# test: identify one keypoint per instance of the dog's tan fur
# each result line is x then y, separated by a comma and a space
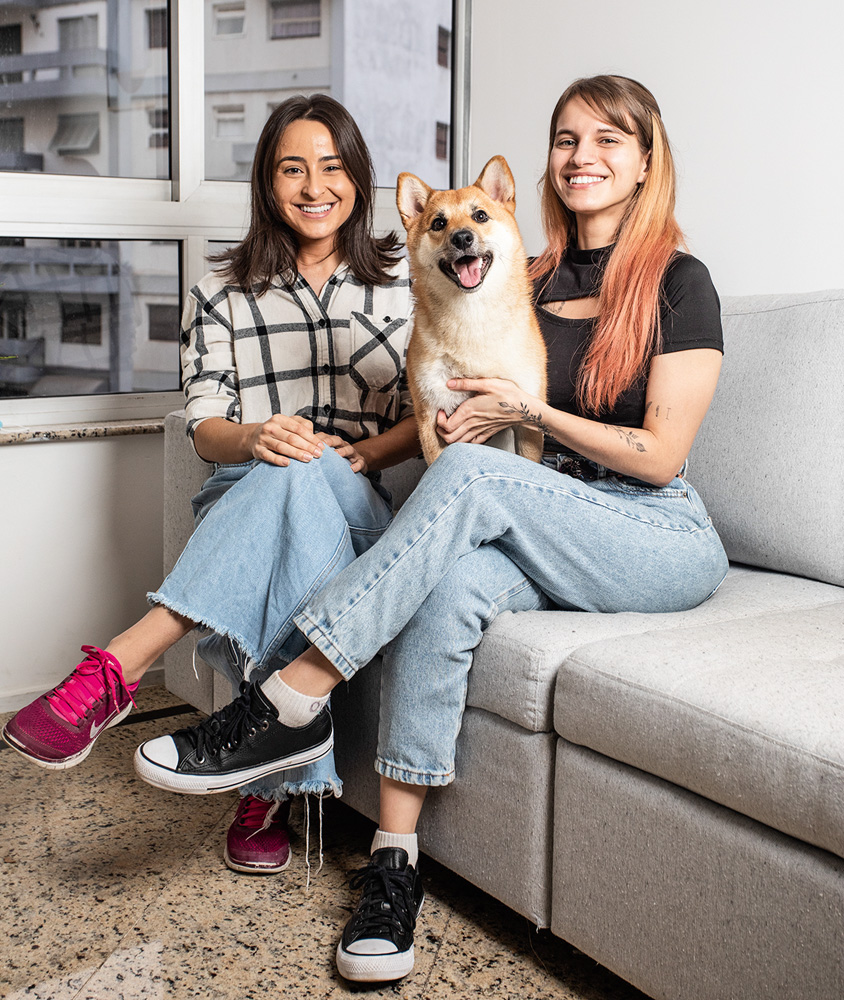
488, 330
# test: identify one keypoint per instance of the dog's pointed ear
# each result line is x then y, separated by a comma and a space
411, 198
497, 181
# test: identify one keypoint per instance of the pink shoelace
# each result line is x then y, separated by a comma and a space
97, 673
256, 813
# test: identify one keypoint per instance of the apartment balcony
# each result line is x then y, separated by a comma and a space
59, 269
39, 76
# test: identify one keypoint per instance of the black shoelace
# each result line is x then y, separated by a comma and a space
386, 902
225, 729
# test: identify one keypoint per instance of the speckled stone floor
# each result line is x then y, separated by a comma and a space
113, 890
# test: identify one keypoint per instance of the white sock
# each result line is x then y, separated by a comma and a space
294, 709
407, 841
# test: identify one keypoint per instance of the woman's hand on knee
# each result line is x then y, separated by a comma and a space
283, 438
345, 450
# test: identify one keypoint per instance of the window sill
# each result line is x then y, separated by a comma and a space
81, 431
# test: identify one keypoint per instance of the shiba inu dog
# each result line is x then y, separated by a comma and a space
473, 315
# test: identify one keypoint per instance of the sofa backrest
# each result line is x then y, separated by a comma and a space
769, 459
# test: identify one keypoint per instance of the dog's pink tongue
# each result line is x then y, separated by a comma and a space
468, 271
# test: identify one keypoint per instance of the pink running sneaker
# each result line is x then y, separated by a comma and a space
258, 840
58, 729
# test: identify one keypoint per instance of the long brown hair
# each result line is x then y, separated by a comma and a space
627, 331
270, 247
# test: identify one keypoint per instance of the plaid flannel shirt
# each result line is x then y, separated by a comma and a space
336, 358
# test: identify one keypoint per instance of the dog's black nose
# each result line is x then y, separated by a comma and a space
463, 239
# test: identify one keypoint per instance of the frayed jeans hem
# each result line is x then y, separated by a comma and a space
281, 793
157, 599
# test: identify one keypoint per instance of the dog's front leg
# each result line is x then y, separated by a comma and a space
432, 444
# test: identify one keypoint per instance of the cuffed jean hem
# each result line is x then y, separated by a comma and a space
323, 642
407, 777
281, 793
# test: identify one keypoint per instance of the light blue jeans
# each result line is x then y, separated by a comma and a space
266, 540
487, 531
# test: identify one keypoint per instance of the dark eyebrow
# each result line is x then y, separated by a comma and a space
301, 159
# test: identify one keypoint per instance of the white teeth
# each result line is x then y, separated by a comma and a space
585, 179
314, 209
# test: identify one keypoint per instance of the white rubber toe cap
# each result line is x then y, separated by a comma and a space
372, 946
162, 751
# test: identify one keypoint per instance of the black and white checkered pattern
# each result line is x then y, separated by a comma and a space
336, 358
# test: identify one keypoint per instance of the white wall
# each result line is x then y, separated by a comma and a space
81, 545
750, 91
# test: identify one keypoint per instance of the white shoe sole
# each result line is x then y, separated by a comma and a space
255, 869
63, 765
209, 784
374, 968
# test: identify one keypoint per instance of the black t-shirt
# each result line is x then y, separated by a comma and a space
690, 316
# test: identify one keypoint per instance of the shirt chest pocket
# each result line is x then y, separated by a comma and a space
377, 351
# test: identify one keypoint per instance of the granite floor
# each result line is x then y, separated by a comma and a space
113, 889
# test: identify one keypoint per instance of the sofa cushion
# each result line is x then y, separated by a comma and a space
769, 458
748, 713
515, 667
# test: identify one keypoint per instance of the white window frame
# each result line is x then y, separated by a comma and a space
186, 208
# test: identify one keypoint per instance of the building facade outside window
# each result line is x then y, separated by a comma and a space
295, 18
98, 243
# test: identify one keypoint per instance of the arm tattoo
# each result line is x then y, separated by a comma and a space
630, 438
527, 416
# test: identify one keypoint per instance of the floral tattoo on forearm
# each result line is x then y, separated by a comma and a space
527, 417
630, 438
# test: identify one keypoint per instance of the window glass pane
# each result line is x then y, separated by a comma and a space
393, 74
79, 82
88, 316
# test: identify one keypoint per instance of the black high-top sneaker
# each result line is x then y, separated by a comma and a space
237, 744
377, 942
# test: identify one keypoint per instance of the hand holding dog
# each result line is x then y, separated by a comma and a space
499, 404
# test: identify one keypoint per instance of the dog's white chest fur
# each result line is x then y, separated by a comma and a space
431, 378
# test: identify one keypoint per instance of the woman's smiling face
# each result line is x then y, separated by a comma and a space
312, 190
595, 167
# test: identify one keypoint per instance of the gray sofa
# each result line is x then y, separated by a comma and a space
665, 792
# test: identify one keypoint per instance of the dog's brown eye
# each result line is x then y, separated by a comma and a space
438, 224
480, 216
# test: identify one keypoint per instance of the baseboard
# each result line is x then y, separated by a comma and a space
13, 700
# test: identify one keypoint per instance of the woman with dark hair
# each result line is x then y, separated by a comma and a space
292, 361
606, 523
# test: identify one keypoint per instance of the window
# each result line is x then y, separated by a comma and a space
96, 244
78, 33
157, 28
10, 45
82, 322
81, 83
229, 19
442, 141
443, 46
163, 322
159, 122
294, 18
11, 135
229, 121
12, 317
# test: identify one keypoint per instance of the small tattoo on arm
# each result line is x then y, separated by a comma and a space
630, 438
527, 416
665, 409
